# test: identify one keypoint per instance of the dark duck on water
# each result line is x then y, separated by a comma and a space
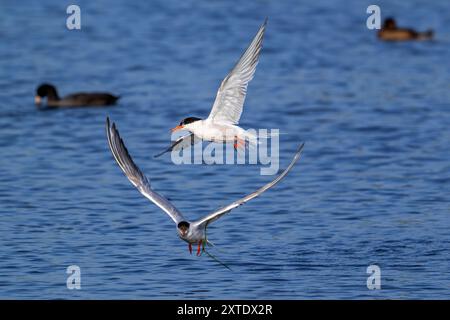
390, 32
72, 100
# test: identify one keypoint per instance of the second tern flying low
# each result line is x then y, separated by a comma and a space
193, 232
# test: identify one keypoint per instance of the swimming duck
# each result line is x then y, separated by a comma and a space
390, 32
72, 100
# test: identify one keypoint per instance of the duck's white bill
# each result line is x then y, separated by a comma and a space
37, 100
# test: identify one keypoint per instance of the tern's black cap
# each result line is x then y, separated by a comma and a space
189, 120
183, 224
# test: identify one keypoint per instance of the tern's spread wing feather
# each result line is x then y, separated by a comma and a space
180, 143
218, 213
134, 174
230, 97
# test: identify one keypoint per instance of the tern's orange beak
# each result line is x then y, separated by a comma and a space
177, 128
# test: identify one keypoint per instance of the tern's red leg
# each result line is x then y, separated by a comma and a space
236, 143
190, 248
241, 143
198, 248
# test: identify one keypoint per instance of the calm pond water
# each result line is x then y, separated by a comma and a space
372, 186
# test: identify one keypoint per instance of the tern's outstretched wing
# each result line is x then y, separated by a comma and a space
230, 97
217, 214
180, 143
134, 174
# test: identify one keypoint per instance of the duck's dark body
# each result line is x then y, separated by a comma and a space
390, 32
76, 99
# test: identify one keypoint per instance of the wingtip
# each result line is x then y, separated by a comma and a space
112, 129
161, 153
108, 126
263, 26
300, 149
299, 152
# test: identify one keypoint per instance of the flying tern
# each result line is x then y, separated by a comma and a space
193, 232
221, 124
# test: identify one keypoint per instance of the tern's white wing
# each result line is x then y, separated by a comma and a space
218, 213
134, 174
230, 97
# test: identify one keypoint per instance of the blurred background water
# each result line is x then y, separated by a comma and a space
372, 187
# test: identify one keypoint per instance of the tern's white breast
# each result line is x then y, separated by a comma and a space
216, 131
194, 235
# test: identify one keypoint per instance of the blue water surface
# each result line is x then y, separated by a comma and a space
372, 187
